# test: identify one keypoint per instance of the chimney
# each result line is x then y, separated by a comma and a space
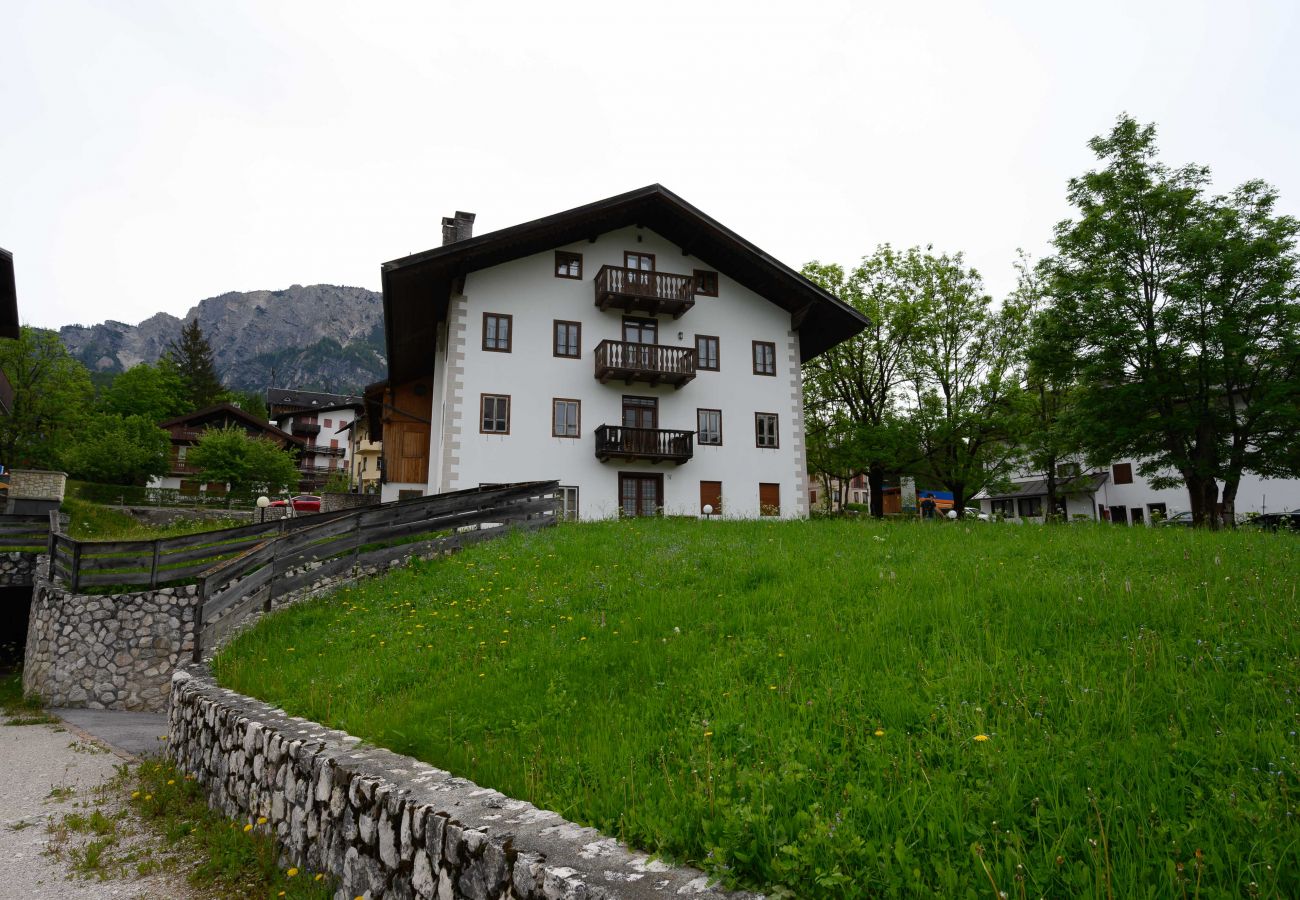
448, 231
464, 225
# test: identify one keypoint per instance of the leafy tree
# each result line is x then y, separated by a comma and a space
192, 357
114, 449
251, 402
52, 392
1180, 316
963, 368
154, 391
231, 456
851, 391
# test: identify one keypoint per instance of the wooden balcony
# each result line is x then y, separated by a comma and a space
307, 428
650, 444
651, 363
635, 290
323, 450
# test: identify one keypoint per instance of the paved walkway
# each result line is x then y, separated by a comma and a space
131, 733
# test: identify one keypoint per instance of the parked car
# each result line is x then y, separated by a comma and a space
301, 503
971, 512
1277, 521
1183, 519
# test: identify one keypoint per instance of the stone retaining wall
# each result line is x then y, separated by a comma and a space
106, 651
16, 569
333, 500
389, 826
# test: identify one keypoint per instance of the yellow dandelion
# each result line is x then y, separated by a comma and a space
135, 794
148, 796
981, 737
292, 871
880, 732
171, 780
261, 820
319, 876
248, 827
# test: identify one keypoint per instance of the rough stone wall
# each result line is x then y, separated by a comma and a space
389, 826
332, 500
106, 651
36, 484
16, 569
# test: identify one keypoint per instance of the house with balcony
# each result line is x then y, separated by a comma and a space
634, 348
185, 431
322, 422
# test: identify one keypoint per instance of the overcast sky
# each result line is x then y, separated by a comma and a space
156, 153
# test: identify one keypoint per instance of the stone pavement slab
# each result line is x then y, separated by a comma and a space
132, 733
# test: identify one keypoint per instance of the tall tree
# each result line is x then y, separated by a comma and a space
231, 456
52, 393
1171, 300
114, 449
963, 369
192, 357
851, 391
154, 391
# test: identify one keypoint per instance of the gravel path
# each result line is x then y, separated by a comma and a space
46, 773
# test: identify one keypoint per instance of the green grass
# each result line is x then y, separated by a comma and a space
846, 708
93, 522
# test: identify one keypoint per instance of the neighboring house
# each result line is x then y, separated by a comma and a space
323, 423
9, 327
365, 450
634, 348
821, 487
1120, 495
185, 432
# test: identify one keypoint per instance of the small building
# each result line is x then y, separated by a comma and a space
186, 431
322, 421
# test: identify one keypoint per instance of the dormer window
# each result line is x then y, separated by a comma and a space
568, 265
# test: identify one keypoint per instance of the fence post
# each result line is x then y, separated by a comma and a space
76, 566
51, 541
356, 542
153, 565
205, 593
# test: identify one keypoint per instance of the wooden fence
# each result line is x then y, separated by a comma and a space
363, 539
28, 532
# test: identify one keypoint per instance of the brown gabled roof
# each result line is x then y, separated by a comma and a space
236, 412
417, 288
8, 296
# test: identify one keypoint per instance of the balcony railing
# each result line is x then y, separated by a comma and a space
651, 444
311, 428
636, 290
651, 363
323, 451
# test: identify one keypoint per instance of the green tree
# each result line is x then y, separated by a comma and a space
152, 390
114, 449
192, 357
1179, 314
231, 456
851, 391
965, 376
52, 393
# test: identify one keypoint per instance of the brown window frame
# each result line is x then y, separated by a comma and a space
699, 282
699, 432
1121, 473
482, 405
577, 424
563, 259
642, 476
706, 498
776, 431
510, 332
754, 356
1003, 506
641, 322
717, 357
555, 339
762, 509
654, 263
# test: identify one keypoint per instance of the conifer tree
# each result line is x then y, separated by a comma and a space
192, 357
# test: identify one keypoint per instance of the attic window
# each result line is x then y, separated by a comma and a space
1121, 473
706, 283
568, 265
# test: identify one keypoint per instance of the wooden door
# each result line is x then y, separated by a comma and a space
640, 421
640, 495
711, 495
640, 331
769, 499
641, 264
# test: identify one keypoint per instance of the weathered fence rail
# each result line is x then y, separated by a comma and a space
27, 532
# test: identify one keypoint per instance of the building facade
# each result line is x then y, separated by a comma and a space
635, 350
323, 422
185, 431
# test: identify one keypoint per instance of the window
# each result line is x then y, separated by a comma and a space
569, 503
765, 430
568, 265
1157, 511
764, 358
1030, 507
706, 283
640, 495
644, 262
409, 493
711, 495
769, 499
567, 339
1067, 469
494, 415
329, 423
565, 417
640, 331
180, 454
709, 425
835, 497
496, 332
706, 352
812, 497
1005, 508
1122, 473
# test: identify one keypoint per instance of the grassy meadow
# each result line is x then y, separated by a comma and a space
845, 708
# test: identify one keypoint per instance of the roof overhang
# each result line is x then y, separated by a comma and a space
417, 288
8, 297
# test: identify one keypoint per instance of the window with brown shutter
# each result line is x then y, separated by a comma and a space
769, 499
711, 495
1121, 473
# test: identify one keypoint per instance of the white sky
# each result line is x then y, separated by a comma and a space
156, 153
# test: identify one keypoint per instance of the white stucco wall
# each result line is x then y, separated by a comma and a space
528, 290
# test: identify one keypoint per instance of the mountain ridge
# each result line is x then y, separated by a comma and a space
315, 337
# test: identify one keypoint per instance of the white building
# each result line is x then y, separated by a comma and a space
1121, 495
634, 349
322, 422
